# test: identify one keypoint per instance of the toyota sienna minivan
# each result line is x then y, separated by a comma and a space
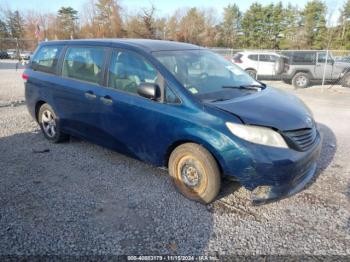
178, 106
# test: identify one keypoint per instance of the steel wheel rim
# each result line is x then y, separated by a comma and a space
48, 123
301, 81
190, 176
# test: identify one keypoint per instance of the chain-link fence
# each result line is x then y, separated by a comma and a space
301, 68
15, 53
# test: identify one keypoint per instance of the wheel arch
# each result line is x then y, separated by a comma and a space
37, 108
198, 141
250, 68
306, 71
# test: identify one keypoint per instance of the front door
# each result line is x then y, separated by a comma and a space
266, 65
322, 67
133, 124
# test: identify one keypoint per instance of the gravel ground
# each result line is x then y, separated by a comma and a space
80, 199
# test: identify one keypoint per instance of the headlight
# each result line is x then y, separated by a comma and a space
258, 135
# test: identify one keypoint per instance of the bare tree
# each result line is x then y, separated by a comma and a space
108, 18
143, 25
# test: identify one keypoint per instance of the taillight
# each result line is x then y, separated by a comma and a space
25, 77
228, 58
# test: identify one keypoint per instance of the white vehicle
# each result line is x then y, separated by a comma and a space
25, 55
262, 65
12, 53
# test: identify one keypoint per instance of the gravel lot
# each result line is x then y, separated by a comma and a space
81, 199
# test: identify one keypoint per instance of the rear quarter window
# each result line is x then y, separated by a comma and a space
46, 59
237, 56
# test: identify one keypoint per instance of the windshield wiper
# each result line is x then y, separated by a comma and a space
219, 100
250, 87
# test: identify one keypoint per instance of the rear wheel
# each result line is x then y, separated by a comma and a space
49, 124
251, 72
195, 172
301, 80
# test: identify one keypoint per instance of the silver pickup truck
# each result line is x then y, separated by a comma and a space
304, 67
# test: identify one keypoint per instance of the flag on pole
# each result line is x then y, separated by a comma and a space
37, 31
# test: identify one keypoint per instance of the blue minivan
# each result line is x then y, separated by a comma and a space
178, 106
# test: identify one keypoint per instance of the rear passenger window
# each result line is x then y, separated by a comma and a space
321, 58
304, 58
84, 63
264, 58
46, 58
273, 58
128, 69
253, 57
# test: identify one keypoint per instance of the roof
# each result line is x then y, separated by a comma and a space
261, 52
145, 44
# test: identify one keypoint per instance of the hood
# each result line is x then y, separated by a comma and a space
270, 107
342, 64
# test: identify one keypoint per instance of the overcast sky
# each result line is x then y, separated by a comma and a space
164, 7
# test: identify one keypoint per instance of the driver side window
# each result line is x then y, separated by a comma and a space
321, 58
127, 70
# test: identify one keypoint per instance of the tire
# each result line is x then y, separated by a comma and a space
345, 80
301, 80
195, 172
49, 125
251, 72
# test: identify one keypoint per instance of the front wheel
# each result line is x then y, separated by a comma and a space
301, 80
195, 172
49, 124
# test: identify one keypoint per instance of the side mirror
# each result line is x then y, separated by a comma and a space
148, 90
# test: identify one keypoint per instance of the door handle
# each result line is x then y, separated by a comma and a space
90, 95
107, 100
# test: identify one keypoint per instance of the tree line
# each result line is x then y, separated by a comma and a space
272, 26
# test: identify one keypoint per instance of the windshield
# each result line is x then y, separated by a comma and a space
207, 75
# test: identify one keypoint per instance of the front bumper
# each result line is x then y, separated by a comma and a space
307, 170
272, 173
267, 194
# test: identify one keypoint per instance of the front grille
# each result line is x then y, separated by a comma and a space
303, 139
